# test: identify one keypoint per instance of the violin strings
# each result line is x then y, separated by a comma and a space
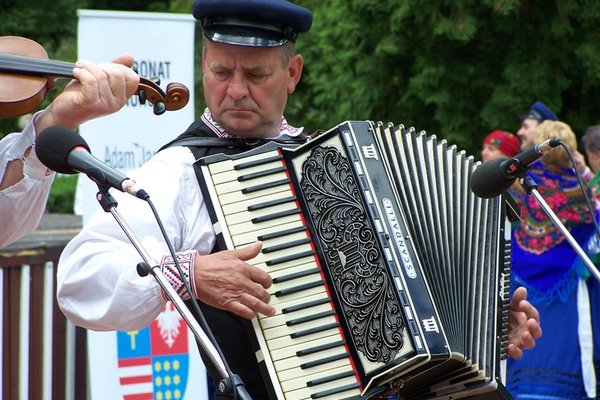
34, 66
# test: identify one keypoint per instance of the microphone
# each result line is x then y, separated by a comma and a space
494, 177
64, 151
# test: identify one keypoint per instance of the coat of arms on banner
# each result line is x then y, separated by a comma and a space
154, 361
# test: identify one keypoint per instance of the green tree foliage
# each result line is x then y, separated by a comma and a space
130, 5
62, 194
48, 22
53, 24
457, 69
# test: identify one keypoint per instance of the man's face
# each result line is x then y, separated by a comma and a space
593, 160
527, 132
246, 88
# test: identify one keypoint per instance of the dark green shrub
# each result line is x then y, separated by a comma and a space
62, 194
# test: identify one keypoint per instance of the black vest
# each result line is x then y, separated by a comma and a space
232, 333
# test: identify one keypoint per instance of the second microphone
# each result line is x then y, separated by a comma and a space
494, 177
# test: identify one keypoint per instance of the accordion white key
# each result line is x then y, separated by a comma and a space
390, 275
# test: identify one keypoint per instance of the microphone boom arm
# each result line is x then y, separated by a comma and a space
109, 204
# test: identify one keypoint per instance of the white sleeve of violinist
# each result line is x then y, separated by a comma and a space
23, 203
97, 284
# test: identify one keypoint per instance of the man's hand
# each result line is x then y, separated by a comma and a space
97, 90
224, 280
523, 324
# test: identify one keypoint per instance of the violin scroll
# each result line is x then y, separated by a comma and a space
175, 98
178, 96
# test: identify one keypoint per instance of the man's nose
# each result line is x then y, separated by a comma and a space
238, 88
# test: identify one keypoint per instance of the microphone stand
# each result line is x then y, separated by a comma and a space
230, 386
530, 186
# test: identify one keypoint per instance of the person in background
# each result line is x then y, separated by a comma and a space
591, 145
561, 367
537, 113
24, 181
498, 144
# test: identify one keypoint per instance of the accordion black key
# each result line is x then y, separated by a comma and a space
390, 277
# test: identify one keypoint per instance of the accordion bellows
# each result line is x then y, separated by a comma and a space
389, 275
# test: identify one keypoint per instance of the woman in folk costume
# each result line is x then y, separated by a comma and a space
561, 366
498, 144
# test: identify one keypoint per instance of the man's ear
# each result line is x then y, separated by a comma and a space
295, 71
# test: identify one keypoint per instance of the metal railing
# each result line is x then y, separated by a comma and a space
43, 355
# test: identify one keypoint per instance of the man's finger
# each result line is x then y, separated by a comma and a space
534, 328
125, 59
519, 295
261, 277
530, 311
248, 252
258, 306
514, 351
239, 309
248, 306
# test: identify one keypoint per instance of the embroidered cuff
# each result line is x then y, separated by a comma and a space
186, 262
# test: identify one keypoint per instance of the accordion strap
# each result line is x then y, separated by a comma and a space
200, 141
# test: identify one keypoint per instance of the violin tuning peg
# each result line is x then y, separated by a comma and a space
159, 108
142, 96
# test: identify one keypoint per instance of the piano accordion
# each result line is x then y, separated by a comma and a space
389, 276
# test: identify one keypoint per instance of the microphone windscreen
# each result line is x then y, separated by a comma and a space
487, 180
53, 146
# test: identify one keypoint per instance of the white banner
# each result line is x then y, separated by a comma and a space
163, 47
160, 361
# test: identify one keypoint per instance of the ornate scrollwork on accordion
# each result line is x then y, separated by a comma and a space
389, 275
348, 242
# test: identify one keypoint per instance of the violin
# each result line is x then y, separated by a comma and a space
26, 75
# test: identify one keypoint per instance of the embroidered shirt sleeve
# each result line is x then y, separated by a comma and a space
186, 262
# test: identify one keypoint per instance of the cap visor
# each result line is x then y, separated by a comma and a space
245, 37
528, 116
